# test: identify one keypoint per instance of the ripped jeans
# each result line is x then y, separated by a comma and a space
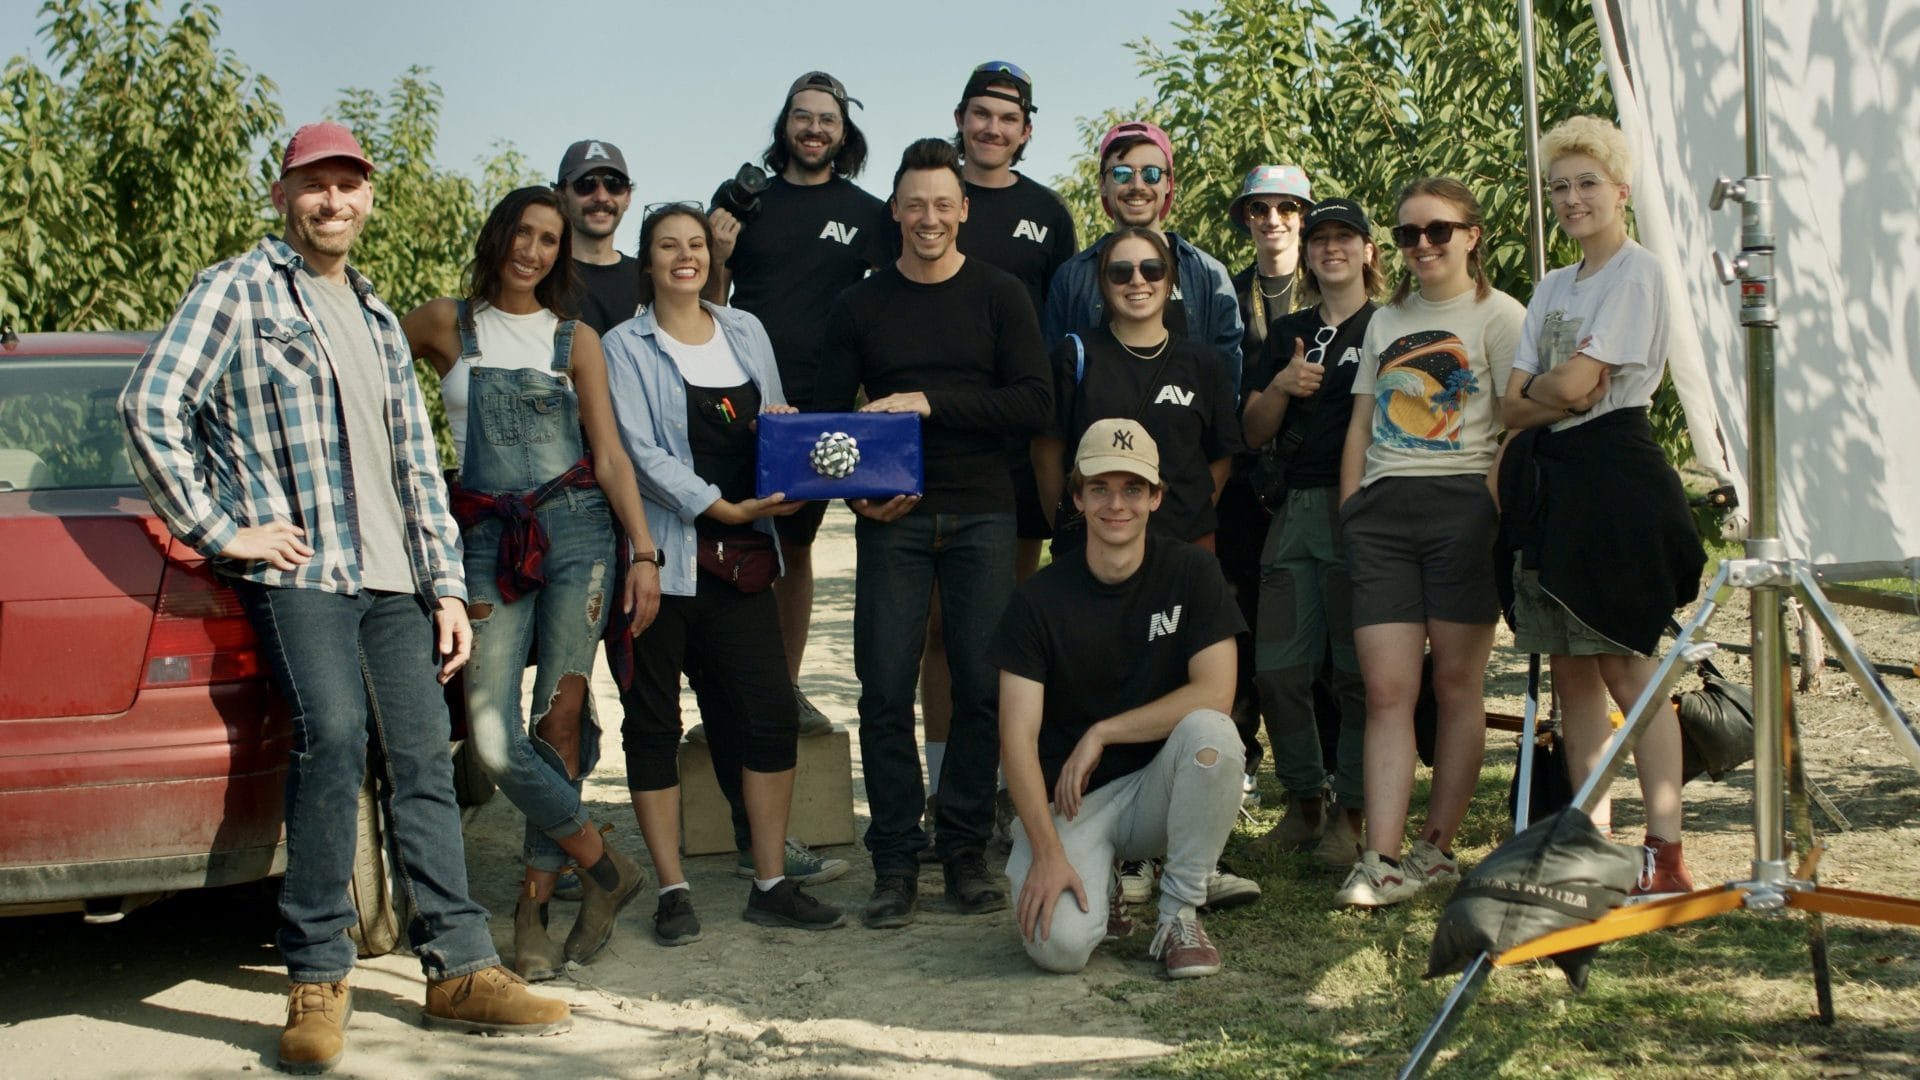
563, 619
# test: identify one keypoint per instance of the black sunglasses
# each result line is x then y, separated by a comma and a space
615, 185
1436, 232
649, 210
1123, 174
1120, 271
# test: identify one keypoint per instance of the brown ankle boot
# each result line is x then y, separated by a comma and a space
315, 1037
1304, 821
1339, 846
1663, 872
536, 957
493, 1001
600, 907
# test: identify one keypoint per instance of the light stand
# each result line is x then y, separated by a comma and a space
1771, 577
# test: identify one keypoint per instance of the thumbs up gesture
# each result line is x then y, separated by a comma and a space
1300, 378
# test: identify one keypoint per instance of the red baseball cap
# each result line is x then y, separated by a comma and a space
317, 142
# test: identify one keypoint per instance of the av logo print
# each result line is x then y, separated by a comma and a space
1034, 232
836, 231
1172, 393
1164, 623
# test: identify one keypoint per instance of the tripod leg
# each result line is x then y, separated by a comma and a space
1529, 727
1659, 688
1807, 588
1804, 839
1456, 1003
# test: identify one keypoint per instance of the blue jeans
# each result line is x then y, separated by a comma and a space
970, 557
353, 668
563, 619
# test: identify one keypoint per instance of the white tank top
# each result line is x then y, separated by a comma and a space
506, 341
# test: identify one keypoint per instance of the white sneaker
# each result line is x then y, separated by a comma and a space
1430, 866
1375, 882
1136, 881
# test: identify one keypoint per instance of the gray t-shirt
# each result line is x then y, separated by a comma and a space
1618, 317
361, 376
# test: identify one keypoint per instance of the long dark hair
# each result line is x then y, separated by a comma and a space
1448, 189
495, 245
651, 225
847, 162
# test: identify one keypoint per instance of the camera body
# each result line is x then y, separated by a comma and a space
740, 193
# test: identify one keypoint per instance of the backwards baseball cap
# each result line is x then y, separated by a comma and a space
1341, 211
1118, 446
318, 142
992, 78
1290, 180
826, 84
589, 154
1139, 129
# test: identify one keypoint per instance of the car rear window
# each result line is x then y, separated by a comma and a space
60, 423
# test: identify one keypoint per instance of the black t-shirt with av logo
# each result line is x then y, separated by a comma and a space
1182, 396
808, 242
1023, 229
1102, 649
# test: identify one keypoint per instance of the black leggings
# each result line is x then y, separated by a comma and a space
729, 642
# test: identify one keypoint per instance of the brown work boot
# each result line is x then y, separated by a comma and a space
493, 1001
1304, 821
536, 958
1663, 872
316, 1033
600, 907
1339, 846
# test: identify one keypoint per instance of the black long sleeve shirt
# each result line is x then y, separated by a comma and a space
972, 344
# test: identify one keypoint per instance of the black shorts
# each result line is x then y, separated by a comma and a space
800, 527
1421, 547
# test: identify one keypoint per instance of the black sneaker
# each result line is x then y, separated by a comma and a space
970, 888
674, 922
892, 903
787, 905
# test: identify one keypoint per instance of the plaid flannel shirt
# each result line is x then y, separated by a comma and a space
233, 418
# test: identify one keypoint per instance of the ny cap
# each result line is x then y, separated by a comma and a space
1118, 445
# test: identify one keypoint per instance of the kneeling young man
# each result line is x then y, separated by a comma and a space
1117, 667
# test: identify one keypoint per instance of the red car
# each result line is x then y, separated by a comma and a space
141, 749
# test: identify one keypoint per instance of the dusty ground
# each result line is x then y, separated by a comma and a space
192, 987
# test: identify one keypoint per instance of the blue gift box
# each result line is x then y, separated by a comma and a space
851, 455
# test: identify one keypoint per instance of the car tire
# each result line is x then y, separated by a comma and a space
376, 902
472, 787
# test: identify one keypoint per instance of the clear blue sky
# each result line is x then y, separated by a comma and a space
688, 90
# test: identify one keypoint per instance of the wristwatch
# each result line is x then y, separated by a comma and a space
656, 557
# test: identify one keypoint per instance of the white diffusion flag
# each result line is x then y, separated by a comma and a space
1843, 79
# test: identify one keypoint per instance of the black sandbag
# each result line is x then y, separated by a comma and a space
1716, 727
1560, 872
1552, 784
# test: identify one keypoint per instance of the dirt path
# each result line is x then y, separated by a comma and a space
193, 986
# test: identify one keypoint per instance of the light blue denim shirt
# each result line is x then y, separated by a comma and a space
650, 405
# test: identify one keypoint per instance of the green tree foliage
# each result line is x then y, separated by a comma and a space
1404, 89
129, 170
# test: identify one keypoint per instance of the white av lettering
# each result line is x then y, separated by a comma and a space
837, 231
1351, 356
1174, 394
1030, 230
1164, 623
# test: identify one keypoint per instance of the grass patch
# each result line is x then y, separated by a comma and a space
1309, 991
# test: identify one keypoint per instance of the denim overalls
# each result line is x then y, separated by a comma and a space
523, 430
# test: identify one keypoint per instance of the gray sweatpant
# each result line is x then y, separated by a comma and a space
1175, 807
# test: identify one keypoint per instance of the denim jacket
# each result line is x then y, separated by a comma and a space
1213, 311
232, 421
650, 405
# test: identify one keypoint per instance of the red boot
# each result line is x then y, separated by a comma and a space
1663, 871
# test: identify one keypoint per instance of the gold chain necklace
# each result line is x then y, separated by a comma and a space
1154, 355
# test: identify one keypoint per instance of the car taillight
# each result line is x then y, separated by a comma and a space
200, 633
